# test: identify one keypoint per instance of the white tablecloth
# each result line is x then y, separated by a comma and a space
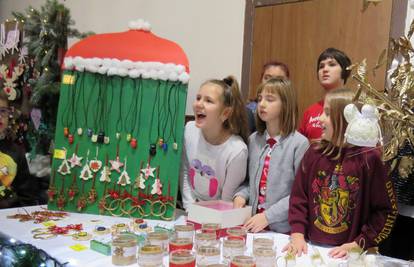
59, 247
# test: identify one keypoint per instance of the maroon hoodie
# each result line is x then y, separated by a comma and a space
339, 201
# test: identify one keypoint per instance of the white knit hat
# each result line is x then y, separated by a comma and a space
363, 128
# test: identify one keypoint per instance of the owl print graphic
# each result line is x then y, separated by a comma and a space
203, 178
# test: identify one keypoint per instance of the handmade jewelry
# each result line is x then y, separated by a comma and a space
153, 147
75, 160
148, 171
73, 190
86, 172
86, 105
116, 164
64, 167
124, 178
139, 225
95, 165
82, 236
139, 180
61, 201
131, 116
119, 123
39, 216
52, 191
119, 228
92, 195
157, 185
169, 203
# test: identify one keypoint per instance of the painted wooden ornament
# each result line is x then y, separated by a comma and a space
70, 138
153, 150
175, 146
128, 137
101, 137
94, 138
106, 140
89, 132
164, 147
66, 131
160, 142
133, 143
118, 136
80, 131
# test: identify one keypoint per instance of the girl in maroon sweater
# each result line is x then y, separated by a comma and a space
342, 195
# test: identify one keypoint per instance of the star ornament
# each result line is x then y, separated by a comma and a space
116, 165
148, 171
75, 161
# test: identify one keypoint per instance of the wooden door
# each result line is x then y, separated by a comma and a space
296, 33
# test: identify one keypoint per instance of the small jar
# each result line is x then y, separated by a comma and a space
211, 228
124, 249
177, 243
182, 258
243, 261
119, 228
207, 255
206, 239
150, 256
265, 257
289, 260
237, 233
160, 238
233, 247
184, 230
263, 242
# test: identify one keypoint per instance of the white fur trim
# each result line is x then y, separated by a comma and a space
139, 24
113, 66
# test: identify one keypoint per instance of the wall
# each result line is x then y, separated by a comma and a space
209, 31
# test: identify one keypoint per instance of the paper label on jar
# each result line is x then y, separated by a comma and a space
207, 260
124, 251
185, 234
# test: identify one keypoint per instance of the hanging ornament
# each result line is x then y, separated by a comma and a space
66, 131
116, 164
10, 78
73, 190
164, 147
148, 171
175, 146
101, 137
153, 150
94, 138
75, 160
106, 172
157, 185
64, 167
86, 172
95, 165
80, 131
52, 191
81, 204
89, 132
140, 180
128, 137
160, 142
61, 201
124, 178
92, 195
70, 138
133, 143
118, 136
106, 140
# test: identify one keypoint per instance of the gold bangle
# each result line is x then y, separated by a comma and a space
173, 213
161, 211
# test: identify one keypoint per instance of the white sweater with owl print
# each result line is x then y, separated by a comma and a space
209, 171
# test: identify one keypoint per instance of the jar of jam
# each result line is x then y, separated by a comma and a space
124, 249
237, 233
150, 256
206, 239
182, 258
160, 238
184, 230
177, 243
207, 255
243, 261
233, 247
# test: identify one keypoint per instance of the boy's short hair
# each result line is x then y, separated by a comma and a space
342, 59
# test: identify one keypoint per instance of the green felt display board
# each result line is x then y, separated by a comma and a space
115, 104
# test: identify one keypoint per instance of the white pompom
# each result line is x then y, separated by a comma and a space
68, 61
112, 71
184, 77
103, 70
179, 69
122, 72
134, 73
106, 62
173, 76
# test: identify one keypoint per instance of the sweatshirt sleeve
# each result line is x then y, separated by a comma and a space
185, 188
235, 175
298, 203
383, 208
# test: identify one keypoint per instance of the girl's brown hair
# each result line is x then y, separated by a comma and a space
237, 120
337, 100
289, 113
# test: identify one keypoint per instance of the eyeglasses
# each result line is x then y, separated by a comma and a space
4, 112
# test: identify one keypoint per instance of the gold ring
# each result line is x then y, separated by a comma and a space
161, 210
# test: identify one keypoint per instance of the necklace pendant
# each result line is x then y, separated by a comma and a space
66, 131
70, 138
106, 140
175, 146
94, 138
133, 143
118, 136
128, 137
80, 131
161, 142
164, 147
89, 132
153, 150
101, 137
